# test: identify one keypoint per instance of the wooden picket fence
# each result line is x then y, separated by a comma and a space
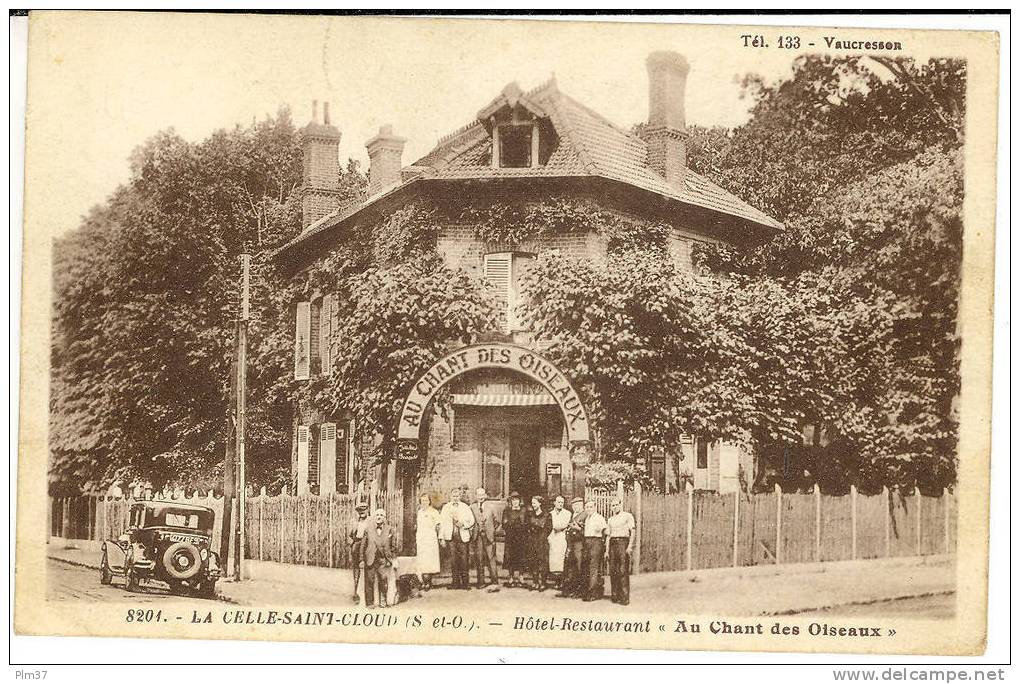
697, 530
310, 529
692, 530
307, 529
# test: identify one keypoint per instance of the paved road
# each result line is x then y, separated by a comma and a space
939, 606
67, 582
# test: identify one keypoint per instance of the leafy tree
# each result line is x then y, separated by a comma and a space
145, 304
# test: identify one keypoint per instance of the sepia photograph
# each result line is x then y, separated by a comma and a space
505, 332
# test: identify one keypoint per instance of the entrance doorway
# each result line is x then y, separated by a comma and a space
511, 460
525, 475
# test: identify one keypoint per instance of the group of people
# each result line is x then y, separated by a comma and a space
570, 549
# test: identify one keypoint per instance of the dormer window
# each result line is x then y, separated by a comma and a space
515, 146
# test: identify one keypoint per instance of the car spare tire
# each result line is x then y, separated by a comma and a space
182, 560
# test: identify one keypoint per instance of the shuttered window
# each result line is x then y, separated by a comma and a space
327, 458
302, 341
701, 446
302, 459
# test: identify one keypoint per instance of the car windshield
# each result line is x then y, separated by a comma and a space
182, 520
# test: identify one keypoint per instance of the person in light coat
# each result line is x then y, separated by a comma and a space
455, 523
426, 537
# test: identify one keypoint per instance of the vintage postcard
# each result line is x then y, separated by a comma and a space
507, 332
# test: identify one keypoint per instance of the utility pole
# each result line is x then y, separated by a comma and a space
240, 400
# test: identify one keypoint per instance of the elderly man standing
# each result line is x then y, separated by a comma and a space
595, 531
455, 523
483, 540
573, 565
379, 553
356, 533
622, 529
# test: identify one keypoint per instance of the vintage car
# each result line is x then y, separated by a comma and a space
165, 541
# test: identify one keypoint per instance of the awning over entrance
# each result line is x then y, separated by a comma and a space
504, 399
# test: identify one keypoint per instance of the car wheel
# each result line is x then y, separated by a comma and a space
132, 580
207, 589
105, 575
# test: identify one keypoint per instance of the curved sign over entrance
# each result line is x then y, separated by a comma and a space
494, 355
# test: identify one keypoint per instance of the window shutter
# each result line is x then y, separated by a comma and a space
302, 459
315, 336
327, 458
498, 271
302, 350
313, 456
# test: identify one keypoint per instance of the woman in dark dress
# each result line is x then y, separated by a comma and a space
539, 526
515, 540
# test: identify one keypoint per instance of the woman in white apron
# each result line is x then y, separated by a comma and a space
426, 537
558, 539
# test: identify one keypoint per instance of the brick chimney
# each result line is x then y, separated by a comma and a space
320, 143
666, 132
384, 152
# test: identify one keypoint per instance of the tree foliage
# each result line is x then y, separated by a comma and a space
145, 301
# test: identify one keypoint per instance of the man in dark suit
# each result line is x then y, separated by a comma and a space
483, 538
573, 567
379, 554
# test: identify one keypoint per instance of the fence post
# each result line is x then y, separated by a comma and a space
304, 529
818, 523
262, 505
619, 490
945, 507
779, 523
853, 522
281, 525
887, 493
329, 526
690, 526
736, 527
917, 505
636, 560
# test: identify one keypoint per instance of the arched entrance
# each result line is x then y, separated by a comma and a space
502, 356
532, 437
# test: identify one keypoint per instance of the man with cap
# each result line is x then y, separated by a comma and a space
483, 539
573, 565
622, 529
380, 554
356, 532
455, 523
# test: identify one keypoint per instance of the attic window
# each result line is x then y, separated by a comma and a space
516, 146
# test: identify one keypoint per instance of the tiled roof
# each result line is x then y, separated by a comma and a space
589, 146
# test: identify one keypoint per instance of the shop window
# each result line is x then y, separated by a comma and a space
514, 144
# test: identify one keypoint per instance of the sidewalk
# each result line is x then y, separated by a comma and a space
756, 590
